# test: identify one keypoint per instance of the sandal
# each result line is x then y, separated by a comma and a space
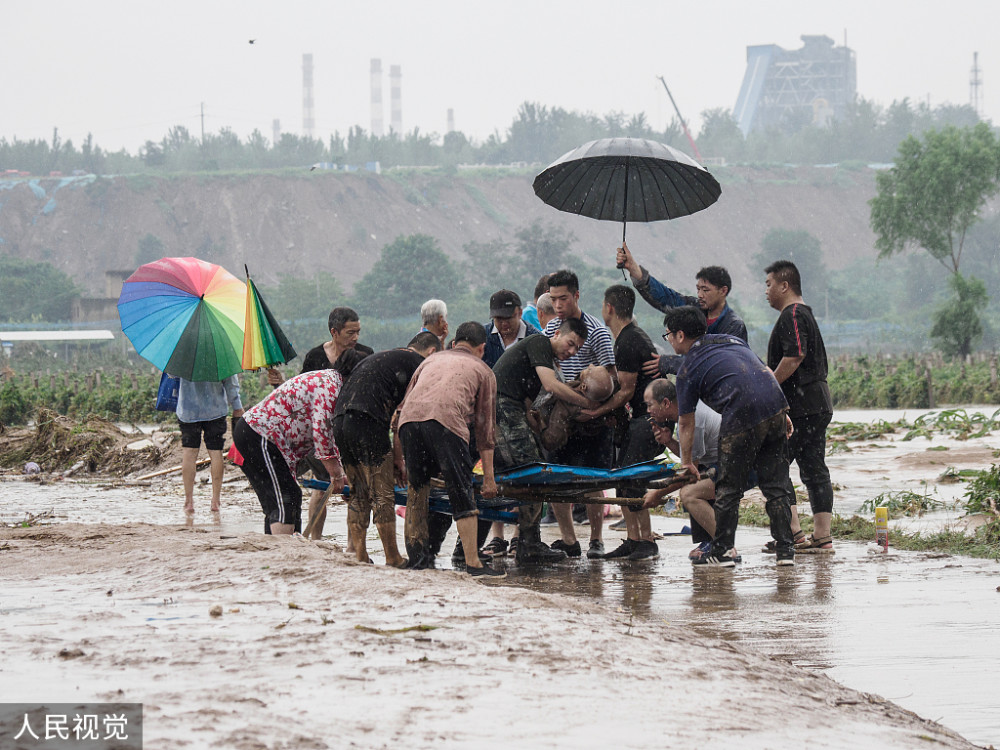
812, 545
496, 548
771, 547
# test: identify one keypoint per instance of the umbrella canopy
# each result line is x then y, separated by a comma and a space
264, 343
627, 179
186, 317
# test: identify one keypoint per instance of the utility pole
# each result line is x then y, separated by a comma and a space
203, 123
975, 85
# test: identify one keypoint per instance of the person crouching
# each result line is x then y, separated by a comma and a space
449, 392
291, 421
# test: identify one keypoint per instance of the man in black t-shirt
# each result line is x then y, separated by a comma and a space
632, 349
361, 424
521, 372
797, 356
343, 352
345, 327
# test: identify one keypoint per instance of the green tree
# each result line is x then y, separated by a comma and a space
957, 326
930, 199
720, 135
410, 271
538, 250
800, 247
935, 192
31, 290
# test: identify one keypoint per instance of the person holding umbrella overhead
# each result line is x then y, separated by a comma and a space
713, 285
186, 316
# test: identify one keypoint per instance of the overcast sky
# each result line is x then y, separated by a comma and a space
127, 70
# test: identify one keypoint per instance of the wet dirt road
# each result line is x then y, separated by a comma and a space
916, 628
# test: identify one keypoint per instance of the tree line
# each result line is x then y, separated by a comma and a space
538, 134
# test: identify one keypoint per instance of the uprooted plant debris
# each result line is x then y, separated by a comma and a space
58, 443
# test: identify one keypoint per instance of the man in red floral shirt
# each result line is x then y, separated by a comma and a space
293, 420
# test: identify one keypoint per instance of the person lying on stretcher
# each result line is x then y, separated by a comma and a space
553, 419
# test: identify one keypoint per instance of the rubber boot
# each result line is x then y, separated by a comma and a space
415, 532
532, 551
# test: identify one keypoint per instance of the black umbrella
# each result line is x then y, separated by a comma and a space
627, 179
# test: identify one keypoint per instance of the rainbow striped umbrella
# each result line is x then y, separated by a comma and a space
264, 343
186, 317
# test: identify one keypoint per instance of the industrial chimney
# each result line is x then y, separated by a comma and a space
451, 121
378, 129
308, 118
395, 98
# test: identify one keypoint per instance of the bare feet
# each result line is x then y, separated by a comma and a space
189, 508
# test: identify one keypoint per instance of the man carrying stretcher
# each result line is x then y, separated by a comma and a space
521, 373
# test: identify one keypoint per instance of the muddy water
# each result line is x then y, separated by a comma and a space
916, 628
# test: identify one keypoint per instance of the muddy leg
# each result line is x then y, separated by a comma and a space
384, 507
415, 531
359, 509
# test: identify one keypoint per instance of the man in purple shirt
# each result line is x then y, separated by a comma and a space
722, 371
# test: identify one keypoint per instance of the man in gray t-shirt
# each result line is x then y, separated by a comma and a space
698, 498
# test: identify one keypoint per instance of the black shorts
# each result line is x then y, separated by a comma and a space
214, 429
595, 451
361, 438
279, 494
640, 446
430, 448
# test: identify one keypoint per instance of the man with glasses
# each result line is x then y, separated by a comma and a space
724, 372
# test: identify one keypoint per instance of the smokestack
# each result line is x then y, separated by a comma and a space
378, 128
308, 120
395, 98
275, 132
451, 121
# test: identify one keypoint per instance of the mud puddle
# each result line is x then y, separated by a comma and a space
916, 628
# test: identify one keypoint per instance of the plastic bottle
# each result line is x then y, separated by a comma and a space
882, 528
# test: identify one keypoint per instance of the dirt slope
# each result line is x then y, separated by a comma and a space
296, 222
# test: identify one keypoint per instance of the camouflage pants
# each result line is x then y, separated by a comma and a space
371, 489
516, 444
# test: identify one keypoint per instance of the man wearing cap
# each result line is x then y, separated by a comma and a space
507, 327
504, 330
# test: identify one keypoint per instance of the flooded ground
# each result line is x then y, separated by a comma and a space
917, 629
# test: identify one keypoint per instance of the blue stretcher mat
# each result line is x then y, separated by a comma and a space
570, 477
547, 479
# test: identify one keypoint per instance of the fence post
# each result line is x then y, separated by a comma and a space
993, 371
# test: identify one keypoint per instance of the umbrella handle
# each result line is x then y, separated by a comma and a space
624, 219
622, 265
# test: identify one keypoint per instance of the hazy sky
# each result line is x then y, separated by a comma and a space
127, 70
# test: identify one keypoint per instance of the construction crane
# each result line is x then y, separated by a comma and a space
681, 118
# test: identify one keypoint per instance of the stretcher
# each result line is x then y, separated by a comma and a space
553, 483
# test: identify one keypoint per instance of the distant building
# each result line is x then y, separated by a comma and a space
100, 309
814, 85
